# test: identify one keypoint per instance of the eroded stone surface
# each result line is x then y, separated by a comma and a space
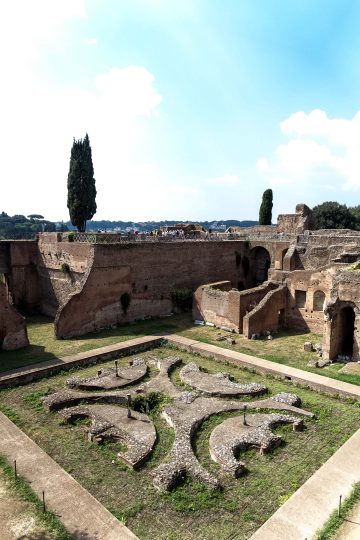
112, 423
233, 436
110, 378
218, 384
161, 382
185, 415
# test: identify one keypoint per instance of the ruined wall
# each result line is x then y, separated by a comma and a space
296, 223
62, 267
22, 274
13, 333
216, 303
250, 298
308, 293
345, 295
265, 316
148, 273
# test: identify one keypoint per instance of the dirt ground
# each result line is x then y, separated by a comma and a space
17, 519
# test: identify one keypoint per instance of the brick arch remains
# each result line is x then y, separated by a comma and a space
341, 336
260, 262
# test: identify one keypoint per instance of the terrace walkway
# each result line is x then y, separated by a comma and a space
81, 514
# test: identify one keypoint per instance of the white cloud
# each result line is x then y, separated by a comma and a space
321, 153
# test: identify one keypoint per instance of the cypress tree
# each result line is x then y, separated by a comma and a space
265, 212
81, 184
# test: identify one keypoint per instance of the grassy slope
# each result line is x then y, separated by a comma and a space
191, 512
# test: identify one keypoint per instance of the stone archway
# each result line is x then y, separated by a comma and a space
340, 331
260, 262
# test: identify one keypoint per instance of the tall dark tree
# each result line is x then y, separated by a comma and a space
332, 215
265, 212
81, 184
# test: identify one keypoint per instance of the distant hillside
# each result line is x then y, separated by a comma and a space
20, 227
152, 225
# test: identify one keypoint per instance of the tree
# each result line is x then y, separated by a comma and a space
332, 215
355, 212
265, 212
81, 184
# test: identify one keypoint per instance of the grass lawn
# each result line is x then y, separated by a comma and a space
285, 348
43, 345
191, 511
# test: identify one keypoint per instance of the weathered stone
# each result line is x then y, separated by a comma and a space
111, 423
233, 436
218, 384
308, 346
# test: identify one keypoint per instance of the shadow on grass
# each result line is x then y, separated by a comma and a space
44, 346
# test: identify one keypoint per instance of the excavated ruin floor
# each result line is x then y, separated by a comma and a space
180, 492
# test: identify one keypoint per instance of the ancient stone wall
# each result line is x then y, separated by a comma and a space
148, 273
22, 274
13, 333
62, 267
296, 223
308, 294
216, 303
265, 316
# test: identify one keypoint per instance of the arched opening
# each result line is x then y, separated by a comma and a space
283, 253
346, 331
260, 264
319, 301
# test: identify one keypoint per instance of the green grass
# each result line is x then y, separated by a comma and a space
43, 345
335, 521
192, 511
286, 347
47, 519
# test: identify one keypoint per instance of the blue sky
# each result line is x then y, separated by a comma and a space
193, 108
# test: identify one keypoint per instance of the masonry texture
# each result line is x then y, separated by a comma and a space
251, 281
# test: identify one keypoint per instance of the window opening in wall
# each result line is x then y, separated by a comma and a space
300, 299
319, 301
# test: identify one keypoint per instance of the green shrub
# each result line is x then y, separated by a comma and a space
150, 403
65, 268
182, 298
71, 237
125, 300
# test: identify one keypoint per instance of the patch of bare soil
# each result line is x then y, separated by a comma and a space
17, 519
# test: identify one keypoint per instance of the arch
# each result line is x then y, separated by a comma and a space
318, 301
260, 264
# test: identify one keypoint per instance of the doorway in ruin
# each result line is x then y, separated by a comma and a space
260, 264
346, 325
342, 330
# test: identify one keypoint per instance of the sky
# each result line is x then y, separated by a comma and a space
193, 107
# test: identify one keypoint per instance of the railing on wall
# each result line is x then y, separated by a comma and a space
115, 238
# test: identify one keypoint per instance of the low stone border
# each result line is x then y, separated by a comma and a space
34, 372
81, 514
316, 382
308, 509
